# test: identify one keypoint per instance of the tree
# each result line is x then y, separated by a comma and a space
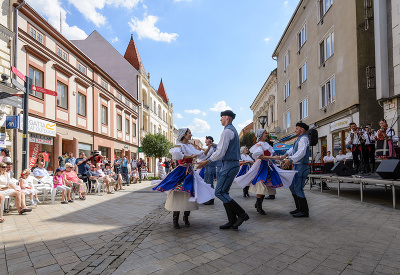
155, 146
247, 140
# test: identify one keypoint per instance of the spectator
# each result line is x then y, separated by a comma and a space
161, 172
140, 163
7, 188
83, 166
92, 175
111, 177
106, 179
6, 155
28, 187
166, 165
40, 159
9, 169
61, 160
117, 163
46, 156
134, 175
59, 182
124, 170
40, 172
72, 180
133, 163
70, 159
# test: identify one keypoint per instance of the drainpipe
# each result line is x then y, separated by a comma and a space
15, 59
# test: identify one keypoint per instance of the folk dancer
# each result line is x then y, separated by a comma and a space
340, 157
228, 150
210, 170
384, 141
245, 163
353, 139
329, 162
185, 188
369, 149
299, 156
349, 157
264, 173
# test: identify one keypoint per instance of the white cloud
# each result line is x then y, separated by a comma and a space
113, 40
244, 124
147, 29
220, 106
241, 108
204, 113
178, 115
199, 126
91, 9
52, 10
194, 111
267, 39
285, 4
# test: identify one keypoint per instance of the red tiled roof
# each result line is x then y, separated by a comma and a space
132, 55
162, 93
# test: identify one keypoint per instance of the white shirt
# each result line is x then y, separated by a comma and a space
389, 133
258, 149
341, 157
301, 151
245, 157
226, 136
369, 139
329, 159
133, 163
349, 155
6, 159
183, 149
355, 140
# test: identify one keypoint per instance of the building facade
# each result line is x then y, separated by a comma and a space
322, 58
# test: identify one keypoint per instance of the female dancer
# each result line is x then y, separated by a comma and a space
384, 141
245, 163
185, 188
264, 172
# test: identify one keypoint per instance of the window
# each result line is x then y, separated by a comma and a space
154, 129
286, 61
36, 77
286, 90
119, 122
324, 5
303, 73
81, 104
155, 106
159, 111
326, 48
61, 53
134, 129
304, 109
328, 92
272, 113
81, 68
104, 84
127, 123
127, 102
302, 37
62, 95
104, 115
286, 120
36, 34
119, 96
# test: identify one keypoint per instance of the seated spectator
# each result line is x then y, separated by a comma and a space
28, 187
59, 182
349, 157
144, 173
40, 172
111, 177
39, 159
92, 175
105, 178
134, 175
7, 188
341, 157
9, 169
72, 180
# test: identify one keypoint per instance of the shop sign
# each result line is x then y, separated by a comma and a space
389, 105
40, 139
40, 126
342, 123
34, 150
140, 150
13, 122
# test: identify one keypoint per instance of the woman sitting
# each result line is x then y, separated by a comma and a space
77, 185
105, 178
112, 178
59, 182
134, 175
27, 186
7, 188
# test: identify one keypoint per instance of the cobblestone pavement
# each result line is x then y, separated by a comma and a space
131, 233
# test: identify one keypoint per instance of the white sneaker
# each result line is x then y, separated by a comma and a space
32, 202
37, 200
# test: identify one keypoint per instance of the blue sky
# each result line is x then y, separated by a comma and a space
211, 55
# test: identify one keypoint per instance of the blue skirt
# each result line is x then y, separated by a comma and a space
243, 170
201, 173
177, 180
268, 176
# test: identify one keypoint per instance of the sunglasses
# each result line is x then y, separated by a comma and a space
3, 167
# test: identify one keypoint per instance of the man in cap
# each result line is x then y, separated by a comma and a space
299, 156
228, 150
211, 168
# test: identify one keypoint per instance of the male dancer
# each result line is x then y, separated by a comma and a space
369, 153
228, 150
210, 169
299, 155
353, 139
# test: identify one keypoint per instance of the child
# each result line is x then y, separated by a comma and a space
28, 186
59, 182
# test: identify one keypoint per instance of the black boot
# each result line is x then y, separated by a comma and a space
259, 206
246, 191
239, 212
303, 208
296, 201
210, 202
186, 217
231, 217
255, 205
175, 219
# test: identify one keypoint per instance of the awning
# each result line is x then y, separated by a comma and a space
289, 139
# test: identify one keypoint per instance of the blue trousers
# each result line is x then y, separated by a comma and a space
209, 173
225, 179
299, 180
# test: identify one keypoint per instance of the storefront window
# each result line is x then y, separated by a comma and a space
117, 152
104, 151
39, 144
337, 143
86, 148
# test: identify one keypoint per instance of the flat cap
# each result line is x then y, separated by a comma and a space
302, 125
228, 113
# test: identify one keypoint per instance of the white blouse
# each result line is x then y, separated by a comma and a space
183, 149
329, 159
245, 157
341, 157
258, 149
349, 155
5, 180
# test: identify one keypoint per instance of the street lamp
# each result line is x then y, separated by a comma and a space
262, 120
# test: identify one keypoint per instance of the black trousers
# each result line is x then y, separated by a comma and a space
371, 156
356, 158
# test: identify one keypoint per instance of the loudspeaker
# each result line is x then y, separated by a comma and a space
343, 170
313, 136
389, 169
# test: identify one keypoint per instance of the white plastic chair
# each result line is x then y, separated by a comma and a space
4, 204
98, 185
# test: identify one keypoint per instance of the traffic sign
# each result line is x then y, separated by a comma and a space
11, 100
17, 84
43, 90
18, 73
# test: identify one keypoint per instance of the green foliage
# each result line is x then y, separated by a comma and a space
155, 146
247, 140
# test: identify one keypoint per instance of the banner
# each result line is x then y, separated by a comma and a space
34, 150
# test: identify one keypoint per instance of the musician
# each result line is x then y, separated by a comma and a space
354, 139
341, 157
384, 141
328, 162
369, 148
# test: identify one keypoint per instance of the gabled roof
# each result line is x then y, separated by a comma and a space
132, 55
162, 93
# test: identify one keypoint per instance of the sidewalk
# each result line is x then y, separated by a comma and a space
131, 233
